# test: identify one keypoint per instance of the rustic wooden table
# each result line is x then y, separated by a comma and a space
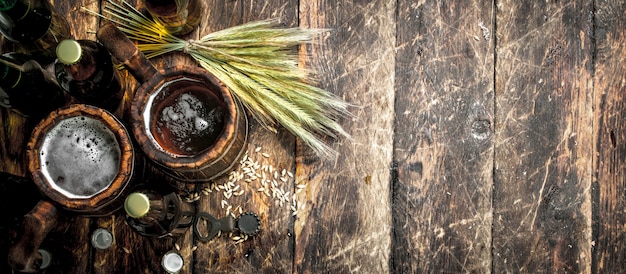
487, 137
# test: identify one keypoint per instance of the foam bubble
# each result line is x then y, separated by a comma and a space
189, 119
80, 156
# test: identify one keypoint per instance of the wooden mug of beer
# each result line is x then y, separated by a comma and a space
82, 159
184, 119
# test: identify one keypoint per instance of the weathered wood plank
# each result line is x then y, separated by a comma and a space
132, 252
14, 135
271, 251
443, 149
609, 186
12, 186
347, 224
543, 137
66, 242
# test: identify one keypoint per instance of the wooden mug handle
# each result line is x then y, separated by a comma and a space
125, 51
24, 254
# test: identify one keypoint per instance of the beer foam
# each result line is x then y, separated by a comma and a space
80, 157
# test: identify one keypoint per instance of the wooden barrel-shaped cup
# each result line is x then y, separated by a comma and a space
183, 118
82, 158
187, 121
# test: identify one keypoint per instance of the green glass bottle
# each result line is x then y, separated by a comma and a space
27, 88
85, 70
153, 214
180, 17
33, 26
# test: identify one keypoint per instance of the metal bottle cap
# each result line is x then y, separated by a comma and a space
46, 258
101, 238
172, 262
137, 205
69, 52
249, 224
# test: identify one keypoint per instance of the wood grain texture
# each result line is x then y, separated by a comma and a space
347, 226
609, 185
66, 242
487, 138
543, 137
12, 186
132, 252
443, 149
271, 251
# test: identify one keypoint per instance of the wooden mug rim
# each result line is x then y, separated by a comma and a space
120, 182
207, 156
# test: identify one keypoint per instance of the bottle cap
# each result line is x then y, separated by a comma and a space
69, 52
101, 238
46, 258
137, 205
172, 262
249, 224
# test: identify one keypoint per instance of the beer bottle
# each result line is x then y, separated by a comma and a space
33, 26
85, 70
11, 186
153, 214
28, 88
179, 17
13, 211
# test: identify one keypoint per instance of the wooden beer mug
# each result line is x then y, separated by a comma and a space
81, 158
184, 119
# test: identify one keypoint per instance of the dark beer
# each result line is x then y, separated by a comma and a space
186, 118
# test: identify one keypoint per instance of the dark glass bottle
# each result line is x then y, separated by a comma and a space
28, 88
85, 70
33, 26
11, 186
180, 17
153, 214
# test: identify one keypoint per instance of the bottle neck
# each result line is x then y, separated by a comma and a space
14, 9
26, 21
165, 7
10, 75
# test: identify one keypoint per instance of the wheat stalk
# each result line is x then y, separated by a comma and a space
258, 62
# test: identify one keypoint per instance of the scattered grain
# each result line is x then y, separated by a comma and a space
255, 174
